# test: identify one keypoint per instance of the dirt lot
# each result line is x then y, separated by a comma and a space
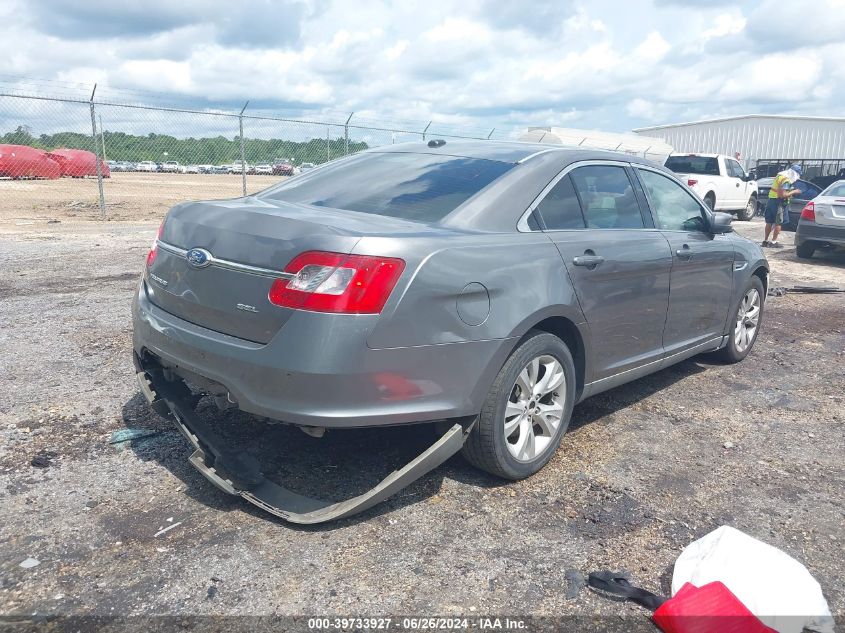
644, 469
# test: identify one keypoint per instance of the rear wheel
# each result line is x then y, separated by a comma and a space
805, 250
749, 211
526, 411
747, 319
710, 200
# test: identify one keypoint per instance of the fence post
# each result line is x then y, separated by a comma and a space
346, 132
491, 133
426, 130
328, 148
243, 154
97, 155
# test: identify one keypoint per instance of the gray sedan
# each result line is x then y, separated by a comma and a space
491, 286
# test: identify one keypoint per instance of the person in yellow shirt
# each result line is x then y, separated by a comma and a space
777, 205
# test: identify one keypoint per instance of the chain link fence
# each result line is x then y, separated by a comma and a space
92, 158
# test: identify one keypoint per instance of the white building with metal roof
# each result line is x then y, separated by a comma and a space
816, 142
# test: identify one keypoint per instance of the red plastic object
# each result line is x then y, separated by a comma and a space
78, 163
22, 161
708, 609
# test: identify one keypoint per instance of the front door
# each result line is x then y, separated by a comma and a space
702, 265
618, 265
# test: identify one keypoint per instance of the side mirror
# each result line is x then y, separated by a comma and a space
720, 222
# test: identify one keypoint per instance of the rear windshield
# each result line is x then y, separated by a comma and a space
422, 187
693, 165
836, 190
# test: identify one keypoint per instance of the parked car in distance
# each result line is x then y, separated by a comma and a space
238, 167
192, 169
718, 180
822, 222
283, 168
485, 282
306, 166
146, 165
172, 166
263, 169
796, 203
221, 169
205, 169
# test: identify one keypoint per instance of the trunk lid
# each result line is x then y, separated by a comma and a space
244, 243
830, 211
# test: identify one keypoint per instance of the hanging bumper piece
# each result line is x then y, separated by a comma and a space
239, 474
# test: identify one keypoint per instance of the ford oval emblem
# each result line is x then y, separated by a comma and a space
198, 257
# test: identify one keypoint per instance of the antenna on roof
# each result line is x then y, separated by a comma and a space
436, 142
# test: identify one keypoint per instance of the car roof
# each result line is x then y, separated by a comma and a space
505, 151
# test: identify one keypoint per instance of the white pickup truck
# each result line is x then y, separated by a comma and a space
718, 180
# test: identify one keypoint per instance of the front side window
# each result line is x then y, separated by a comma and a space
560, 208
607, 197
674, 208
421, 187
734, 169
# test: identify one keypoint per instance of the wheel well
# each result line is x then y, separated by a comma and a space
711, 194
764, 278
568, 332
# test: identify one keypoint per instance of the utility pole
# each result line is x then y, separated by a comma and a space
243, 158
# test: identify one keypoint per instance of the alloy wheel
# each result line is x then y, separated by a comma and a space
747, 320
535, 408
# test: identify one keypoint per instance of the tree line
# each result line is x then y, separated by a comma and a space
217, 150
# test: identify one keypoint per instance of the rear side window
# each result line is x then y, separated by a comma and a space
560, 208
607, 197
422, 187
693, 165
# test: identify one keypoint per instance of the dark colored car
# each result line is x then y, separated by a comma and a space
490, 285
796, 204
282, 169
822, 223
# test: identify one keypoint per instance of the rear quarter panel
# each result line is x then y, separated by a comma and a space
449, 282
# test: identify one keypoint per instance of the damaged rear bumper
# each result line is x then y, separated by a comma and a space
239, 474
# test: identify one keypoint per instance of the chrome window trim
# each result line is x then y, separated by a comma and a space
229, 265
522, 224
542, 151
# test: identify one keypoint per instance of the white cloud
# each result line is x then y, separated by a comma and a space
479, 64
653, 48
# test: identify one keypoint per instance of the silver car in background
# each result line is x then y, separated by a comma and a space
822, 222
489, 285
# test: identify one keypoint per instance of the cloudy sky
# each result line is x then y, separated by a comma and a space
473, 64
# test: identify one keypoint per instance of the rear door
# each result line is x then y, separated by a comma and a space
617, 263
702, 264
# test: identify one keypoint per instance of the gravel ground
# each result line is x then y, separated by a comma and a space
131, 529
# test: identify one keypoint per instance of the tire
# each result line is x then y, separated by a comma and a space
805, 250
487, 447
750, 209
710, 200
736, 351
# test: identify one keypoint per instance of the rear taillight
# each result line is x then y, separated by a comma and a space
151, 256
333, 282
809, 212
692, 182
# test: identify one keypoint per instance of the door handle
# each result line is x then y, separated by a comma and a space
684, 253
588, 260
